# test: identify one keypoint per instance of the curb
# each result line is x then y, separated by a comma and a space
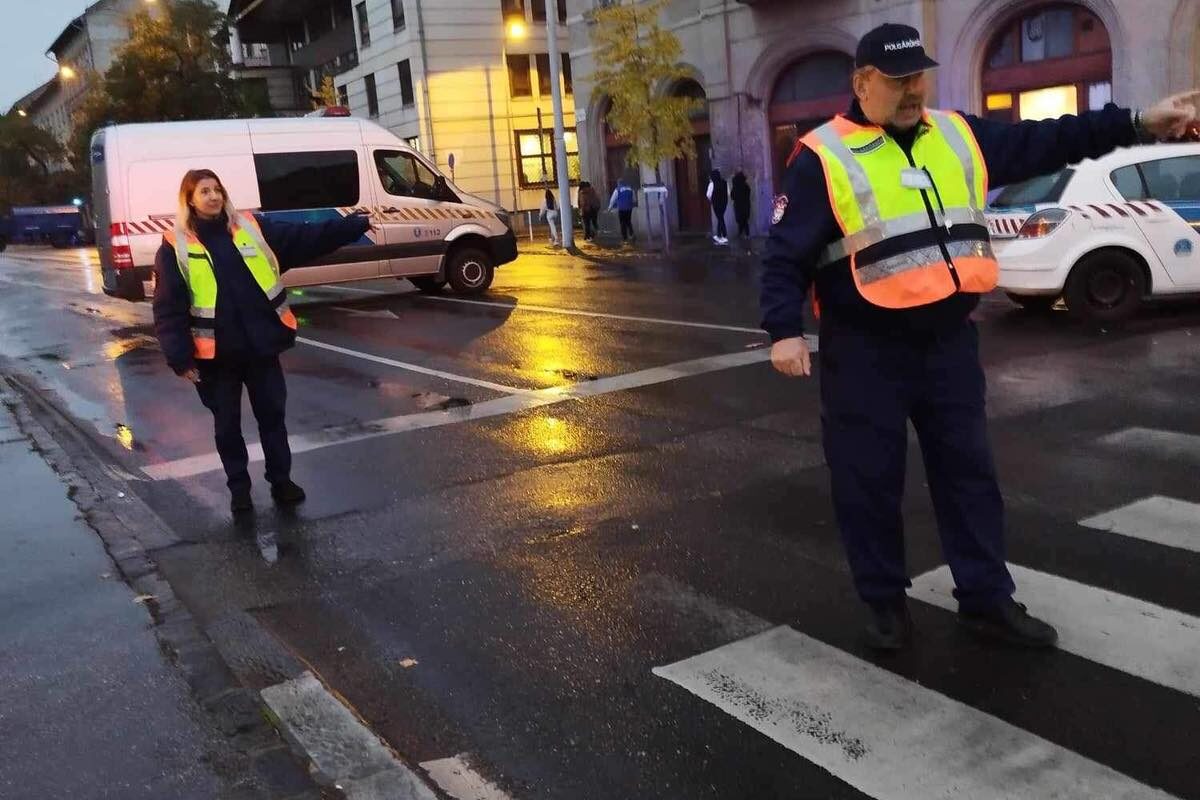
128, 529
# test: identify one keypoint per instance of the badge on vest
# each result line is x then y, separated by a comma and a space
913, 178
248, 250
781, 204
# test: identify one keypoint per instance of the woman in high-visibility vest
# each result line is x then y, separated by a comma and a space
222, 318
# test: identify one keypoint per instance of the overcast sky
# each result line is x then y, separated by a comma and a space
29, 28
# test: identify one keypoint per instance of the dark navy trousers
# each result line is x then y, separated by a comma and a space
872, 385
220, 390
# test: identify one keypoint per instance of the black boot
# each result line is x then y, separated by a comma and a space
287, 493
1009, 623
240, 502
890, 627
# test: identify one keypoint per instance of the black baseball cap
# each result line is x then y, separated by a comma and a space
894, 50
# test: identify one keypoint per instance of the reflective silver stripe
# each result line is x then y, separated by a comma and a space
204, 333
204, 313
252, 231
863, 192
911, 223
923, 257
274, 291
959, 145
181, 253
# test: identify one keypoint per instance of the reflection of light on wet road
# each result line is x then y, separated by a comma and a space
89, 271
125, 436
114, 350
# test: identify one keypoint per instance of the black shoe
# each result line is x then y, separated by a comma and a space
240, 503
287, 493
1010, 623
890, 627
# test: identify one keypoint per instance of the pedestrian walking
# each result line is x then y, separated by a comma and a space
739, 193
589, 208
882, 211
222, 318
623, 200
718, 195
549, 215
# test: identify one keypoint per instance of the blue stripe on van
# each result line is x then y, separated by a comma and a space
311, 215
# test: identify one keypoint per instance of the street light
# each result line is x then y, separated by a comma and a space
21, 112
67, 72
516, 30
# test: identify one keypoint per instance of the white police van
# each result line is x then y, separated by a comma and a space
1103, 234
298, 170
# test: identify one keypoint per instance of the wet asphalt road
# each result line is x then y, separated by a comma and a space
537, 562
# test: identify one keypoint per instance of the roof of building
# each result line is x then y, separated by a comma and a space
74, 27
32, 99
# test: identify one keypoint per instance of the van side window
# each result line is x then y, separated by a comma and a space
327, 179
403, 175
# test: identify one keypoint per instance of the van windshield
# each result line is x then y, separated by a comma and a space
1043, 189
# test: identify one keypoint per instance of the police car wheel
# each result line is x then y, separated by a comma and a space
1105, 287
470, 271
1033, 302
428, 285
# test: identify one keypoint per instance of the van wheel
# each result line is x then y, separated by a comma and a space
427, 284
470, 271
1106, 286
1034, 302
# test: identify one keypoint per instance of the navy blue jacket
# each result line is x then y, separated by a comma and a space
246, 324
1012, 152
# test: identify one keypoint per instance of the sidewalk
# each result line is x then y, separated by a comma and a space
90, 706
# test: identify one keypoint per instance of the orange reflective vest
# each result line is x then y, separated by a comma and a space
912, 223
195, 264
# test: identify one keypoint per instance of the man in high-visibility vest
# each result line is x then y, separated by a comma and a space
881, 214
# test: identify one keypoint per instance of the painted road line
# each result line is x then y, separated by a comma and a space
447, 376
1162, 520
342, 288
1142, 639
342, 749
514, 403
455, 777
1153, 441
596, 314
888, 737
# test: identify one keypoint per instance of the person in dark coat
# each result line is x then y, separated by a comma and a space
718, 195
739, 193
237, 342
589, 207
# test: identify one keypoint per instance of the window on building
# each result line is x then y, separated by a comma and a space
535, 157
568, 86
1173, 179
519, 83
364, 26
295, 37
539, 10
1049, 103
407, 97
414, 142
397, 15
562, 11
543, 70
307, 180
343, 96
372, 96
404, 175
512, 8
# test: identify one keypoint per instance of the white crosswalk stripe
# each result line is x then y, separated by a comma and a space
887, 736
1162, 520
1140, 638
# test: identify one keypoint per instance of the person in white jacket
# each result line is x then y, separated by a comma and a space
550, 215
718, 196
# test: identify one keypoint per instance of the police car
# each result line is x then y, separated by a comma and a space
1103, 234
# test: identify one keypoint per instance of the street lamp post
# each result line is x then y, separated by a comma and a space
560, 145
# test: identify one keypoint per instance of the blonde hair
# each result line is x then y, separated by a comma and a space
184, 219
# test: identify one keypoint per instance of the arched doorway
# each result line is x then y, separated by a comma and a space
1051, 60
807, 93
691, 174
616, 155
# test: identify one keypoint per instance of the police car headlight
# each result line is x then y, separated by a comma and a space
1043, 223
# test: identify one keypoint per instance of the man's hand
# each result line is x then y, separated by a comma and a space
790, 357
192, 375
1174, 117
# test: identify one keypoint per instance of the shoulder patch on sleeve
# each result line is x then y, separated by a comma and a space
779, 207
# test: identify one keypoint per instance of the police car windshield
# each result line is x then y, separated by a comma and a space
1044, 189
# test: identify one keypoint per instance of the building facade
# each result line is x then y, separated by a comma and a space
455, 78
770, 70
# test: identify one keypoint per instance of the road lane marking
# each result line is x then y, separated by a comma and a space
513, 403
341, 747
888, 737
455, 777
577, 313
1162, 520
1142, 639
448, 376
